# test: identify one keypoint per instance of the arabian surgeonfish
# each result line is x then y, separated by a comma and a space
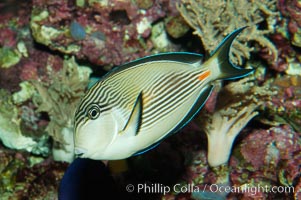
135, 106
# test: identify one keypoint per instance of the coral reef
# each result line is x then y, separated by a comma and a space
10, 132
105, 33
292, 11
222, 124
21, 58
274, 159
59, 99
24, 64
286, 38
231, 116
22, 125
288, 59
24, 176
13, 33
176, 26
257, 119
213, 21
264, 157
285, 108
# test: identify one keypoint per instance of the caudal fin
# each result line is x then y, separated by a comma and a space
227, 69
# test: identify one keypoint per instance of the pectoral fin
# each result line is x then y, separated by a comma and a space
134, 123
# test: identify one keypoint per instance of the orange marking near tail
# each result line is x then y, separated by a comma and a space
204, 75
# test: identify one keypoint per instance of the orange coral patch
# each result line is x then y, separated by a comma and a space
204, 75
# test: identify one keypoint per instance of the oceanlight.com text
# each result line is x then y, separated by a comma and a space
247, 188
214, 188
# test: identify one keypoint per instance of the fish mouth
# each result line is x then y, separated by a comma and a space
79, 152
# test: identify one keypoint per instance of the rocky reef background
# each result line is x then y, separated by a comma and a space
51, 51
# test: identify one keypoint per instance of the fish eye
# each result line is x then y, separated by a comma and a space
93, 112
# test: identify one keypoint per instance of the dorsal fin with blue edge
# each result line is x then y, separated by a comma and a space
185, 57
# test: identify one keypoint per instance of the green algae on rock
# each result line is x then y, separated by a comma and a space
8, 57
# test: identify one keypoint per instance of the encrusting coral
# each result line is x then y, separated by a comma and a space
213, 21
285, 108
24, 176
291, 10
106, 33
59, 99
10, 132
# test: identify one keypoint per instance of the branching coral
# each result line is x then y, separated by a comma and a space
59, 99
213, 20
237, 107
228, 121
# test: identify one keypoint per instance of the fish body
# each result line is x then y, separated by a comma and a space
134, 107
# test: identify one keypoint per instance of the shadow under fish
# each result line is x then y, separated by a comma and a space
87, 179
